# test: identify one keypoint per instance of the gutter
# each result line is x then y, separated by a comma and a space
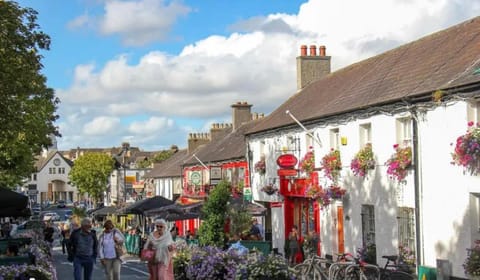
418, 192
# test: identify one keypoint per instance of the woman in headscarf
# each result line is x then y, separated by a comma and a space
161, 241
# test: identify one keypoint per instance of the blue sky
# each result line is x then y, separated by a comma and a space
151, 71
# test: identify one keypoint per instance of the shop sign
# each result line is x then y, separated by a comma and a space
196, 178
287, 172
287, 161
215, 175
275, 204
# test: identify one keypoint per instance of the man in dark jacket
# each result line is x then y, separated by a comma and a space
83, 250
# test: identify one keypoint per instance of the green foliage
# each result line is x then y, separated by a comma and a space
215, 212
90, 173
28, 106
157, 158
240, 220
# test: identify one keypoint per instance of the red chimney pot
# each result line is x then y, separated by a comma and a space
313, 50
322, 50
303, 50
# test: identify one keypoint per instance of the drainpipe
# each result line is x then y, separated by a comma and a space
418, 191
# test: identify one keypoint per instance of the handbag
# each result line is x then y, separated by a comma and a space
119, 250
147, 255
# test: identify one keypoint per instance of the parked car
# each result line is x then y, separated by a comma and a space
51, 216
36, 210
67, 214
61, 204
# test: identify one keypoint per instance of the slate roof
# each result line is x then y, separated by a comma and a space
230, 146
442, 60
171, 167
42, 161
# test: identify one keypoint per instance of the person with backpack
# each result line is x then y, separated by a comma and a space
110, 250
83, 248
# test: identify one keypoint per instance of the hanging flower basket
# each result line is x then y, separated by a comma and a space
336, 192
269, 189
332, 165
322, 196
467, 150
260, 167
363, 161
307, 164
399, 163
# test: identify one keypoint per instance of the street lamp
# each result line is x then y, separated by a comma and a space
125, 147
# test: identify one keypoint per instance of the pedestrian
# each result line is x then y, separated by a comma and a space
65, 232
110, 239
48, 232
161, 241
255, 230
6, 229
293, 244
83, 250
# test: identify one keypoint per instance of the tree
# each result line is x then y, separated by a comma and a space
90, 173
215, 213
28, 106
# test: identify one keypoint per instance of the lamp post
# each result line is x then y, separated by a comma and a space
125, 147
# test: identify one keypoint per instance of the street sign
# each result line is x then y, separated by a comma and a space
247, 193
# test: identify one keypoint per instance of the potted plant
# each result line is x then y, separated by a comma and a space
399, 163
307, 164
467, 149
363, 161
260, 167
471, 265
332, 164
269, 189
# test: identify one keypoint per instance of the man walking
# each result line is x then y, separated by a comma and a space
83, 250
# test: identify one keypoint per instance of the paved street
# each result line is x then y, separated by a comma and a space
132, 269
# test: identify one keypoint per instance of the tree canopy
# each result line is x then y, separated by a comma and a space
215, 213
28, 106
90, 173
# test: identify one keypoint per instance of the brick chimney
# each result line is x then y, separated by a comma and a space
241, 113
217, 128
195, 140
311, 67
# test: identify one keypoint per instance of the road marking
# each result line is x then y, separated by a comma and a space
69, 263
136, 270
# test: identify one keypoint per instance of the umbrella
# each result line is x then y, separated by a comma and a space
104, 211
13, 204
253, 208
139, 207
176, 208
174, 216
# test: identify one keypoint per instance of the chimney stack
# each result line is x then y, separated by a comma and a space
195, 140
312, 67
241, 113
216, 130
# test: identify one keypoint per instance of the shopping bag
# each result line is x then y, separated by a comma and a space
147, 255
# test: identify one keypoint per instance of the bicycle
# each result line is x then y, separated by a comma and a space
315, 268
394, 271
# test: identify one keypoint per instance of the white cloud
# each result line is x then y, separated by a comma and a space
141, 22
257, 65
150, 126
101, 126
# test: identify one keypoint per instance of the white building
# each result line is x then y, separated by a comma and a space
50, 182
420, 95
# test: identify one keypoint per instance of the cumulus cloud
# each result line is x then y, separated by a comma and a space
141, 22
255, 63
